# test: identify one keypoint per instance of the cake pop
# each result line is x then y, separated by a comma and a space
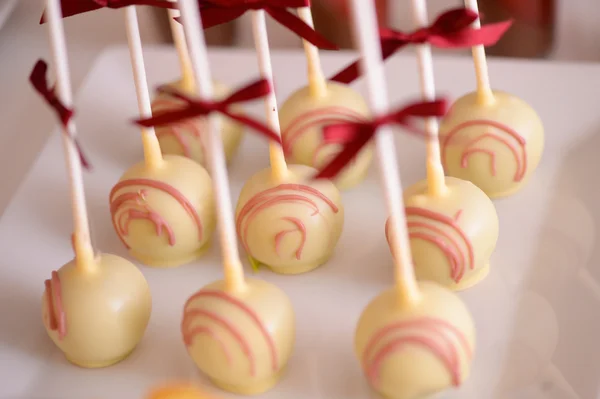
284, 221
452, 224
239, 332
95, 308
163, 207
178, 391
184, 138
303, 115
491, 138
416, 339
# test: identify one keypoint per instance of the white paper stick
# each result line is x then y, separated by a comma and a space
316, 79
182, 51
261, 43
152, 152
234, 274
484, 90
366, 35
436, 181
82, 245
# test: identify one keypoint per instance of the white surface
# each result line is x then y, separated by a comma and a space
537, 313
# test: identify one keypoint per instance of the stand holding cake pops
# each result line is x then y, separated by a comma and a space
413, 340
492, 138
96, 307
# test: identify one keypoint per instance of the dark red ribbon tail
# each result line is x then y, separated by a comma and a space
300, 28
343, 158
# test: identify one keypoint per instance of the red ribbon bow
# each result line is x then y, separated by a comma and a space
74, 7
40, 83
216, 12
451, 29
353, 136
195, 107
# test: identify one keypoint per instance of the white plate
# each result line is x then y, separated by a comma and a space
537, 313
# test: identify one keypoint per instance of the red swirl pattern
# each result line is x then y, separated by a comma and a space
501, 133
445, 233
284, 193
311, 119
182, 131
438, 336
57, 319
192, 312
124, 208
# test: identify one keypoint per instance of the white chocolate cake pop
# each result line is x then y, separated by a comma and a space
413, 340
418, 351
97, 316
163, 207
302, 119
240, 333
164, 215
184, 138
243, 340
304, 114
496, 146
452, 224
491, 138
95, 308
290, 226
452, 236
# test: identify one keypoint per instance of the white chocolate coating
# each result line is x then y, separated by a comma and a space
452, 236
497, 147
415, 352
302, 119
165, 216
241, 341
184, 138
98, 318
292, 226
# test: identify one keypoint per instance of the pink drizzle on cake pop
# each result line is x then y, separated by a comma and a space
123, 208
422, 225
57, 319
182, 131
501, 133
284, 193
316, 118
435, 335
190, 329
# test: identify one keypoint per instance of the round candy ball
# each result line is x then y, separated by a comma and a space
415, 352
185, 137
165, 215
452, 236
302, 119
497, 146
242, 341
97, 318
290, 226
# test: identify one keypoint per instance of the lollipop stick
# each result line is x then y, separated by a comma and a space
84, 253
317, 83
261, 42
185, 64
435, 171
365, 32
484, 91
152, 154
234, 272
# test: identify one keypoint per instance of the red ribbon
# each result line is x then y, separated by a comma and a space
216, 12
195, 107
451, 29
353, 136
40, 83
74, 7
